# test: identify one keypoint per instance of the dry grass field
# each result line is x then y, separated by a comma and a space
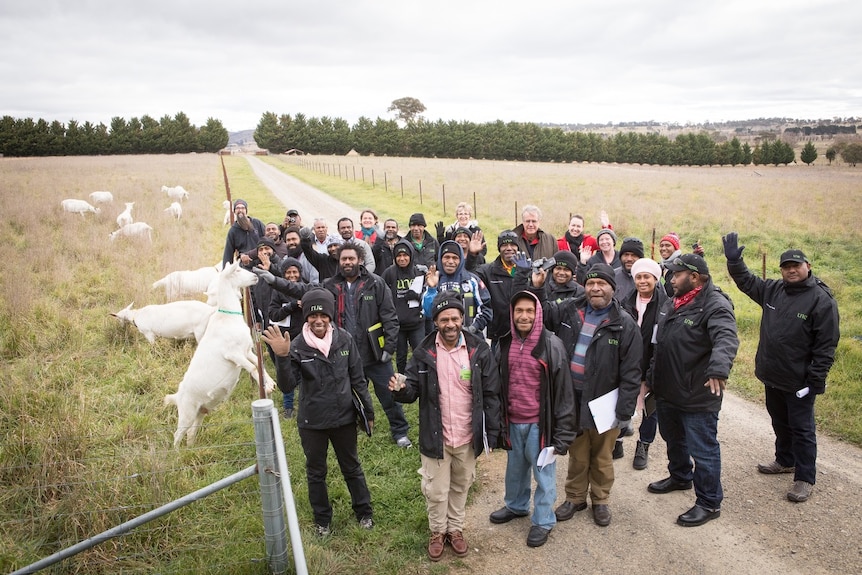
82, 395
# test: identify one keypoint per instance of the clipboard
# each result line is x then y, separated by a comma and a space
361, 419
375, 338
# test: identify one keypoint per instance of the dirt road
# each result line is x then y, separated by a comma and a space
759, 531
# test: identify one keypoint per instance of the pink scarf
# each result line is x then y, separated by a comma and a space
321, 344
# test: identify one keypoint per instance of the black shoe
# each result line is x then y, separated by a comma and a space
697, 515
618, 450
287, 413
567, 510
601, 515
667, 485
641, 455
504, 515
538, 536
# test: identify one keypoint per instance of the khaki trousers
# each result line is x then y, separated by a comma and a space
591, 467
445, 483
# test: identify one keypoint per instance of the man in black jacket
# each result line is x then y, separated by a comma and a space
243, 235
603, 351
798, 336
695, 347
498, 277
363, 306
455, 379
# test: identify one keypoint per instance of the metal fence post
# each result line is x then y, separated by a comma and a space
275, 532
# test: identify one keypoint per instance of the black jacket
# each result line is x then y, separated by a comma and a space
399, 281
240, 240
798, 330
422, 383
325, 382
499, 284
556, 393
659, 297
613, 358
693, 344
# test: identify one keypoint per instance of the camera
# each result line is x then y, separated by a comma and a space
421, 269
544, 263
291, 219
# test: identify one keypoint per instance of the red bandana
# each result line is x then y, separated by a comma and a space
678, 302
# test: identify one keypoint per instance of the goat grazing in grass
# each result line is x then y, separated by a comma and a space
101, 197
135, 230
78, 207
125, 216
224, 351
176, 192
226, 205
175, 320
175, 210
188, 282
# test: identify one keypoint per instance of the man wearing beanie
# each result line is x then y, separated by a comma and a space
498, 277
798, 336
365, 309
453, 375
559, 283
631, 250
451, 275
695, 347
243, 234
538, 416
406, 284
603, 349
424, 244
644, 304
324, 363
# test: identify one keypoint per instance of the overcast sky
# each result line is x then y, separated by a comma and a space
566, 61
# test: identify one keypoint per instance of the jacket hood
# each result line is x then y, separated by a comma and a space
537, 325
450, 246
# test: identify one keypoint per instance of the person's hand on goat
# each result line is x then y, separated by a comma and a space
280, 343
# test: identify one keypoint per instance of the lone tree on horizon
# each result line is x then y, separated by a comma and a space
408, 108
809, 153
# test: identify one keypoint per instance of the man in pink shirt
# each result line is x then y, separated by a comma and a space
454, 377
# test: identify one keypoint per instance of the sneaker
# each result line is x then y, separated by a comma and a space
618, 450
287, 413
459, 545
435, 546
641, 455
774, 468
800, 492
404, 442
366, 523
322, 530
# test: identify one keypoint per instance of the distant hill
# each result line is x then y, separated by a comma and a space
241, 138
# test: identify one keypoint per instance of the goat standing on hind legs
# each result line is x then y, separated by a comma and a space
225, 349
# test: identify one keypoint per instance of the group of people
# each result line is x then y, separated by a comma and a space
547, 350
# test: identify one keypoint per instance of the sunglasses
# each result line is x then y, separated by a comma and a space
679, 262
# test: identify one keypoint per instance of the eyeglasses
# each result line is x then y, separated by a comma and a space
690, 267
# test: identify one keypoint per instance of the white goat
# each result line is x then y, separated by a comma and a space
226, 205
101, 197
188, 282
175, 320
78, 207
175, 210
176, 192
135, 230
125, 216
224, 351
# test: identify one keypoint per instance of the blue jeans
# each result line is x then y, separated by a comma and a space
693, 436
795, 432
379, 373
521, 464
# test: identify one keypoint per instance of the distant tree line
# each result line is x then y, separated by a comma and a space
821, 130
494, 141
137, 136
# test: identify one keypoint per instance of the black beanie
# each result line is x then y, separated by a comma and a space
451, 247
507, 237
632, 245
566, 259
446, 300
417, 219
602, 272
318, 300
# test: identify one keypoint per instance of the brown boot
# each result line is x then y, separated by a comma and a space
459, 545
435, 546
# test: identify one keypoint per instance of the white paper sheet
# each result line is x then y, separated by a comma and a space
604, 410
546, 457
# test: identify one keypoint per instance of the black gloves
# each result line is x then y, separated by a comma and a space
441, 229
264, 275
732, 249
306, 234
411, 295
